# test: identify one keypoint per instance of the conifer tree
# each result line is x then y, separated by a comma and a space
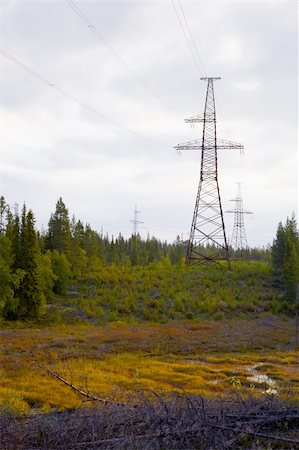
23, 296
3, 214
10, 277
285, 257
77, 255
92, 243
291, 270
134, 246
6, 290
59, 231
30, 293
14, 233
278, 248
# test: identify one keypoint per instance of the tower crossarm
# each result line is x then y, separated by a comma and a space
229, 145
243, 212
194, 119
197, 145
208, 118
191, 145
210, 78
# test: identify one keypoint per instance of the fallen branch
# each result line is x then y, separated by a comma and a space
261, 435
163, 434
78, 390
118, 439
271, 324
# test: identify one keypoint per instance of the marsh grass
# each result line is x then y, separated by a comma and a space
198, 358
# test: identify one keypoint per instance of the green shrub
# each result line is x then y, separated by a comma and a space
219, 315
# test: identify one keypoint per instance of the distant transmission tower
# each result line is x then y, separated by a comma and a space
15, 207
207, 241
135, 221
239, 239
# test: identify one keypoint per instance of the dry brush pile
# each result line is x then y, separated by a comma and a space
158, 421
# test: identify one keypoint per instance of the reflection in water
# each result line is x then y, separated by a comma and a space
262, 378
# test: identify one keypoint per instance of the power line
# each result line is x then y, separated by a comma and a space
192, 47
114, 52
192, 39
26, 68
75, 99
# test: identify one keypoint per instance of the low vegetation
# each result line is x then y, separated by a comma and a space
161, 292
197, 358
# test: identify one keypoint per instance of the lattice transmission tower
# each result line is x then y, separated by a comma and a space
239, 238
135, 221
207, 241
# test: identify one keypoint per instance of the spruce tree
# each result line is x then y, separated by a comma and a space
92, 242
30, 293
59, 231
291, 270
3, 213
285, 257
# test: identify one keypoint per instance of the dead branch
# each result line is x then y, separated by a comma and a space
165, 433
271, 324
261, 435
78, 390
119, 439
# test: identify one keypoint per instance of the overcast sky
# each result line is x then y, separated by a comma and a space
102, 137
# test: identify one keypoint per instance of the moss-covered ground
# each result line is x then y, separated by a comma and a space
208, 358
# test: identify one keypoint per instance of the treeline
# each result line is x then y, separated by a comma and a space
34, 266
78, 242
285, 259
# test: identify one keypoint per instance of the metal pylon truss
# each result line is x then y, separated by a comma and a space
239, 238
207, 241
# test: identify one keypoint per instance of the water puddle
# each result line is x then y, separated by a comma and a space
269, 386
257, 377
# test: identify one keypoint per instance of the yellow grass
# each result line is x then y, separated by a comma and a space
201, 358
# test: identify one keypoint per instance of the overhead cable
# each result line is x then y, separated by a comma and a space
75, 99
112, 50
189, 39
192, 39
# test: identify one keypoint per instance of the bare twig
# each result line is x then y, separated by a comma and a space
271, 324
78, 390
119, 439
253, 433
183, 431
